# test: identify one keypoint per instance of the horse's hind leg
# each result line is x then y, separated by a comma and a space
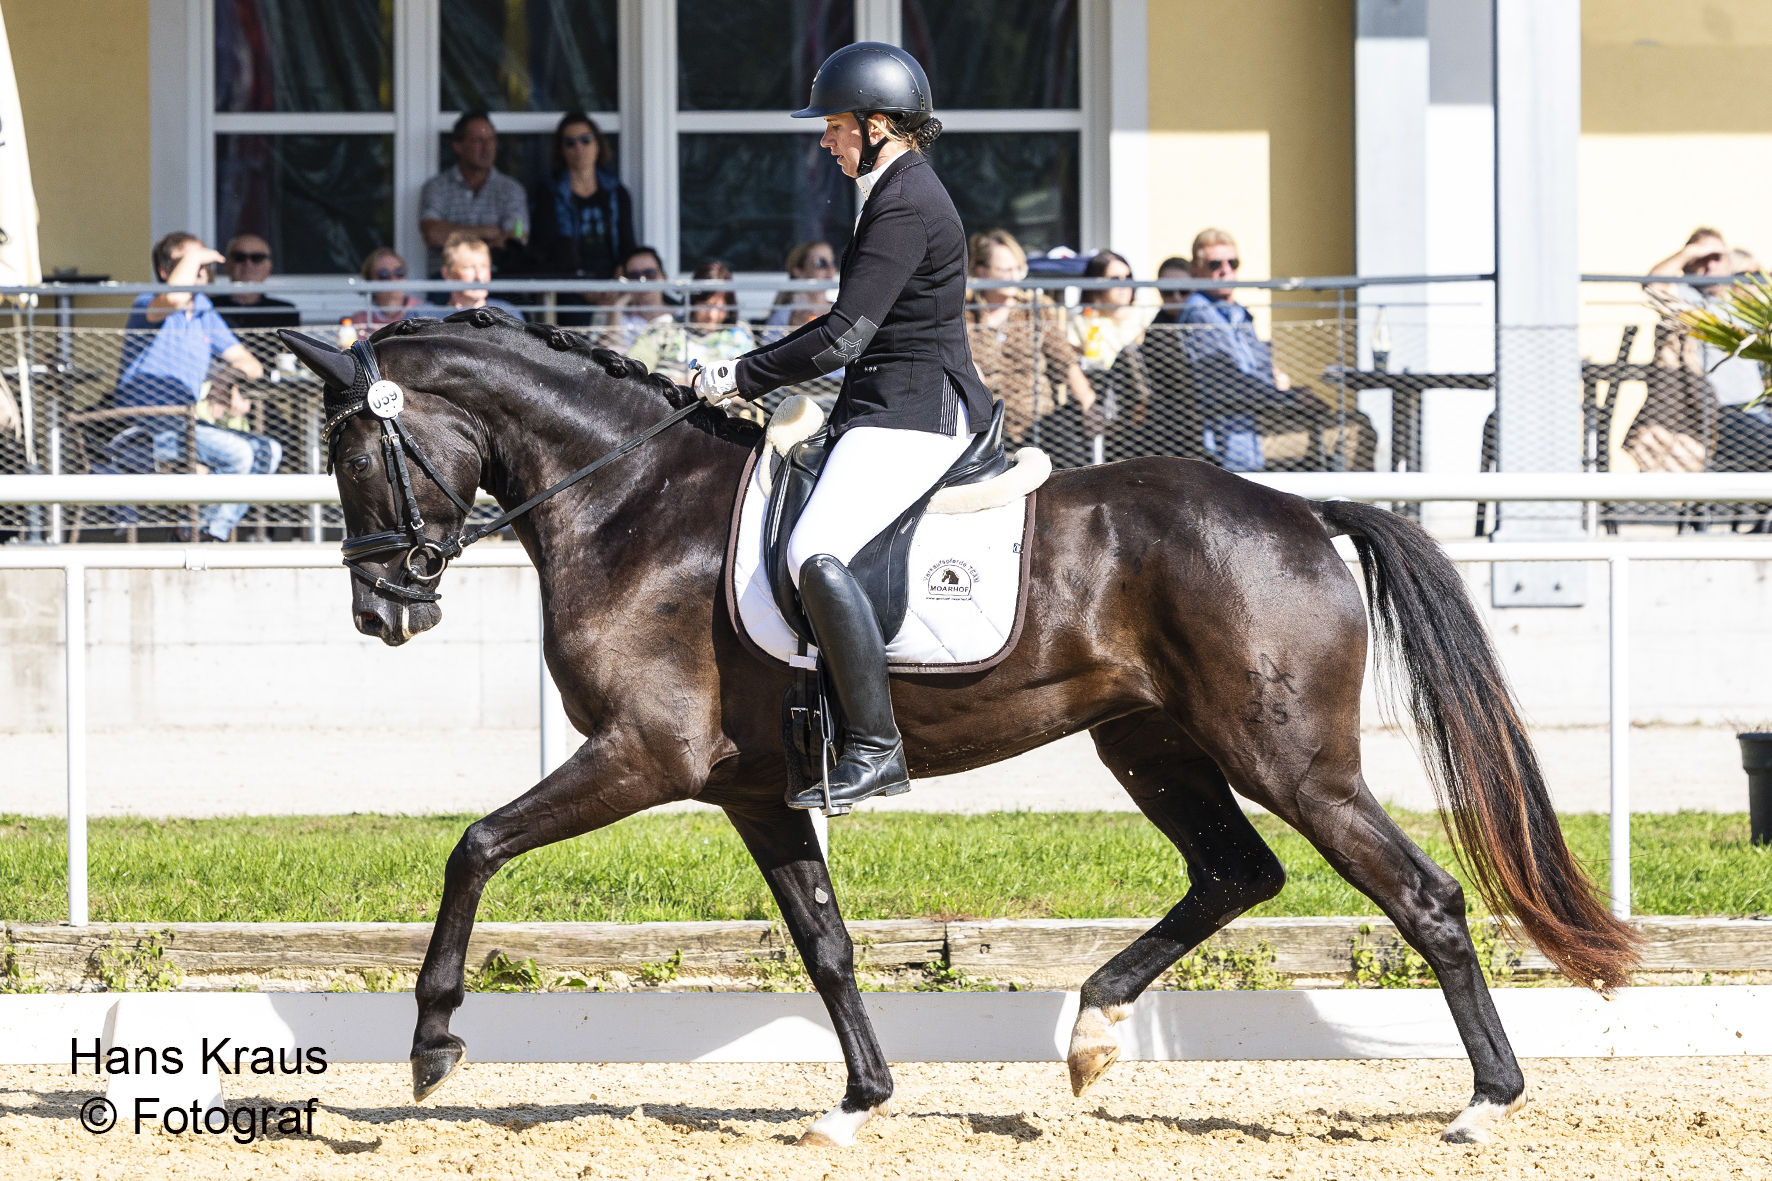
1337, 813
782, 841
1229, 869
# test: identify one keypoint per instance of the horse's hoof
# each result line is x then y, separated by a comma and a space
1088, 1063
836, 1128
431, 1067
1476, 1123
1093, 1046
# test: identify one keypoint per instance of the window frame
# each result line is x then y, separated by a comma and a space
184, 123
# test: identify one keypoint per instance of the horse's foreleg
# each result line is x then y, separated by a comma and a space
786, 850
1230, 869
561, 806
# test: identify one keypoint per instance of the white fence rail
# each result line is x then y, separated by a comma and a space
1720, 487
75, 561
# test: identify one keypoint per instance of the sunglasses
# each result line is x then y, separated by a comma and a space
822, 264
579, 141
1212, 264
252, 256
386, 273
649, 275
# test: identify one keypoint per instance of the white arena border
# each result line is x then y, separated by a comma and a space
1301, 1024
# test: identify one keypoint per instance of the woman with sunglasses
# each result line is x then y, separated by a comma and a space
911, 399
383, 265
584, 218
807, 260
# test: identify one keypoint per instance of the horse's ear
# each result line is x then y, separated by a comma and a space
337, 369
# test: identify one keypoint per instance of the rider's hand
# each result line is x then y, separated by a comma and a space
715, 383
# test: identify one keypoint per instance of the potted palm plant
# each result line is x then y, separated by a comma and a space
1738, 322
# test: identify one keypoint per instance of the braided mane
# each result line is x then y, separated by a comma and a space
617, 365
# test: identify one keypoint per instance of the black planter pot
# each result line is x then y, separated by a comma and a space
1756, 759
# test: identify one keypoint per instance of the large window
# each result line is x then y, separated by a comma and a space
1009, 70
748, 187
303, 151
316, 122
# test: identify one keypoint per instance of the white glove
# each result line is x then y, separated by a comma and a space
714, 383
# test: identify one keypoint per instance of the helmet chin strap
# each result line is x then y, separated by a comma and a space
870, 151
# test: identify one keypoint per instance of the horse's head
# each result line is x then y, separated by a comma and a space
408, 464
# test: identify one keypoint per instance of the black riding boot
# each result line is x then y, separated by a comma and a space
854, 653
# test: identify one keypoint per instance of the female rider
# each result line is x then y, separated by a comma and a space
911, 399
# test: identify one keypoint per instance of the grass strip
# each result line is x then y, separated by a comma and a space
691, 866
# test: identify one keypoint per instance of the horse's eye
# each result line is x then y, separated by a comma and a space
358, 464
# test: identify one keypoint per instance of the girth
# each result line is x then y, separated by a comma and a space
882, 565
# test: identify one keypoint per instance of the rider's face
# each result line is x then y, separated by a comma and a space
842, 139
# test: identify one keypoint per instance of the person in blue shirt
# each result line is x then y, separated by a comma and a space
1232, 365
170, 341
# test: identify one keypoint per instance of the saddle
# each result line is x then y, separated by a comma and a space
882, 567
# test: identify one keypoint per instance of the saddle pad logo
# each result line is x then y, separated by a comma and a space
950, 579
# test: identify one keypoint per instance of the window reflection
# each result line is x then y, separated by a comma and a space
748, 198
996, 54
755, 55
321, 201
528, 55
304, 55
1024, 182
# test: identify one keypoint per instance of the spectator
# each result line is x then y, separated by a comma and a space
1019, 347
466, 259
631, 314
168, 347
471, 196
1106, 323
249, 261
713, 331
807, 260
1173, 267
1233, 369
1695, 416
1107, 319
584, 218
384, 265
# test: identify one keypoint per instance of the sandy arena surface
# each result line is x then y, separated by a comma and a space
1589, 1118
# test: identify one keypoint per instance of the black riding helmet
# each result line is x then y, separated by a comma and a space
866, 77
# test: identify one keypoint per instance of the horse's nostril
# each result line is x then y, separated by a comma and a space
369, 623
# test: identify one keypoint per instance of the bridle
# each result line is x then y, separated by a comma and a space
427, 557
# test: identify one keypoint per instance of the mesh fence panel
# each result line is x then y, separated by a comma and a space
1337, 382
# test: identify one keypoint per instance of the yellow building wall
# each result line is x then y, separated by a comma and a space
1674, 136
1251, 129
82, 68
1674, 132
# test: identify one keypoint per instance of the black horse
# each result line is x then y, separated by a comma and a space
1201, 627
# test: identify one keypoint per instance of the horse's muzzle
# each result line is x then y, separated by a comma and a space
392, 621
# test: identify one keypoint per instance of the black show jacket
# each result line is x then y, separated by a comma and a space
905, 274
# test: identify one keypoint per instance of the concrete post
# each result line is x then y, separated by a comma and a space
1537, 356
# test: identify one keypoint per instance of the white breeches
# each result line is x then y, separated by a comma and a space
873, 474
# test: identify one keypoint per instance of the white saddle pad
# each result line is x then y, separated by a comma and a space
968, 568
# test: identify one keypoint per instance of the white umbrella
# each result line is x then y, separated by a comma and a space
20, 264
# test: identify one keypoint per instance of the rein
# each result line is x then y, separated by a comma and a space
426, 557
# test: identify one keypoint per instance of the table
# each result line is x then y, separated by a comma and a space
1406, 389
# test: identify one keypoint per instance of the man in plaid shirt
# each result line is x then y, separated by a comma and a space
471, 196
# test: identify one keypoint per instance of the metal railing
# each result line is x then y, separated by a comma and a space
1336, 374
74, 562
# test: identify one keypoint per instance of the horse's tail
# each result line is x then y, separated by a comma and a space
1484, 770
